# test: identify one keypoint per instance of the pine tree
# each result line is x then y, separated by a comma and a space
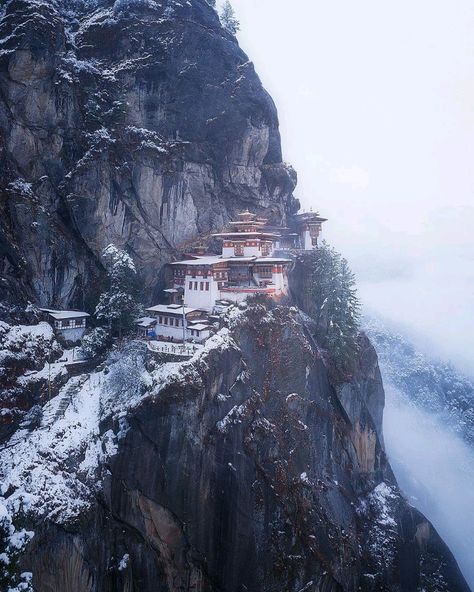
228, 18
334, 303
118, 305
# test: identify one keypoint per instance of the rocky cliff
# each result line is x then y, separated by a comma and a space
134, 122
251, 466
244, 468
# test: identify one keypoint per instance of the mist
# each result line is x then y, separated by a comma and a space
376, 105
435, 469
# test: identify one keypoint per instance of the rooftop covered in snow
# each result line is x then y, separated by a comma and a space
65, 314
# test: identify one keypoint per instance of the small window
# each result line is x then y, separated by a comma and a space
166, 320
195, 285
190, 285
207, 286
201, 286
176, 322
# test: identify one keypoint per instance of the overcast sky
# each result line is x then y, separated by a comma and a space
376, 105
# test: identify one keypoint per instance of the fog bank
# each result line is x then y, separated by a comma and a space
435, 469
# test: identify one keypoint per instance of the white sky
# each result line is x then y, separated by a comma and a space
376, 105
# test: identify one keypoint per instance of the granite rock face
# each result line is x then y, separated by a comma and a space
136, 122
247, 472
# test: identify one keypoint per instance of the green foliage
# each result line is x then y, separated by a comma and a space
334, 303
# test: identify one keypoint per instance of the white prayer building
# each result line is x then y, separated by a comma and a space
248, 264
173, 322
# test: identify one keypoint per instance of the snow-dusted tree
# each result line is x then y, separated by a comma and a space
343, 316
95, 343
128, 378
118, 306
212, 3
334, 303
228, 18
13, 540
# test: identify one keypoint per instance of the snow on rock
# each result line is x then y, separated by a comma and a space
12, 542
24, 351
232, 418
305, 479
378, 510
123, 562
54, 470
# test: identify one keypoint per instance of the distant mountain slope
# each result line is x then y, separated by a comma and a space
436, 386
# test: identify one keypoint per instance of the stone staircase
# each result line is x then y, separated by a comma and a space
53, 414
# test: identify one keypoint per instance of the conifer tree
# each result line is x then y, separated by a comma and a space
334, 303
228, 18
118, 305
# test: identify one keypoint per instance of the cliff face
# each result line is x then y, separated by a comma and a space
248, 467
136, 122
241, 469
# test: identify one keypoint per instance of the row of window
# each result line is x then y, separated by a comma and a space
203, 286
172, 322
70, 324
194, 332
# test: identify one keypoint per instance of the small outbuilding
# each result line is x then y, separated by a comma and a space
172, 321
198, 332
70, 324
146, 326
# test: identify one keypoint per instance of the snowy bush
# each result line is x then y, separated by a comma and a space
95, 343
13, 540
127, 377
25, 347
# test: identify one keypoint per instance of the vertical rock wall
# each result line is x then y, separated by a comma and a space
132, 122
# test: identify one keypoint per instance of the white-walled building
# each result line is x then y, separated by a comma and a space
71, 324
246, 267
309, 226
248, 264
169, 322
